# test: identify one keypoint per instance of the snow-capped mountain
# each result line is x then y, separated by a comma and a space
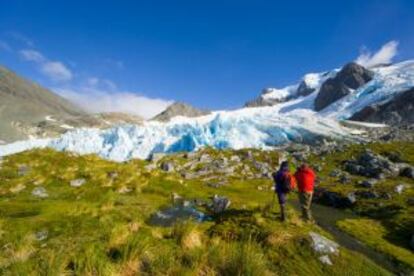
259, 127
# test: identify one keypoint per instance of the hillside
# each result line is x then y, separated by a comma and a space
23, 103
81, 215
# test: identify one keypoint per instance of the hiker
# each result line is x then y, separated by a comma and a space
305, 178
284, 183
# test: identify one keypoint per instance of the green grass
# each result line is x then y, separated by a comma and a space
96, 230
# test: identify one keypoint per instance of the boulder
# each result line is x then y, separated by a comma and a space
325, 260
366, 194
323, 245
40, 192
23, 170
407, 172
77, 182
220, 204
155, 157
397, 111
369, 183
351, 77
370, 164
334, 199
399, 188
167, 166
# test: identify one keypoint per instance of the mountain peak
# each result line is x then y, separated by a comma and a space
179, 109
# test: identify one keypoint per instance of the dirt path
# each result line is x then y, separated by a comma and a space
326, 217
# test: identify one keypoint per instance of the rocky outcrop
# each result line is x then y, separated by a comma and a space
352, 76
179, 109
399, 110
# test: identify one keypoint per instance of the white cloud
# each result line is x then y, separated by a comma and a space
32, 55
93, 98
383, 56
55, 70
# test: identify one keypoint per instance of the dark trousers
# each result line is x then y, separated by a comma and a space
282, 197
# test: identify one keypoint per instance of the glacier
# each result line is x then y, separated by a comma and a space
257, 127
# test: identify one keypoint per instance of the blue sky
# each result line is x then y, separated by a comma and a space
212, 54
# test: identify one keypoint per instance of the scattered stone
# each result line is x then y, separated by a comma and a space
370, 164
344, 179
176, 199
370, 183
335, 173
124, 190
204, 158
351, 198
325, 260
40, 192
399, 188
407, 172
151, 167
216, 184
23, 170
167, 166
77, 182
41, 235
113, 175
322, 245
235, 158
367, 194
18, 188
155, 157
220, 204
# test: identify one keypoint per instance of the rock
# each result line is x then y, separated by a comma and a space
344, 179
23, 170
369, 183
155, 157
124, 190
167, 166
407, 172
371, 165
41, 235
235, 158
399, 188
397, 111
40, 192
352, 76
151, 167
351, 198
366, 194
204, 158
18, 188
335, 173
323, 245
325, 260
113, 175
176, 199
334, 199
220, 204
77, 182
216, 184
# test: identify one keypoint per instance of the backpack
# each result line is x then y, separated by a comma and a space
285, 181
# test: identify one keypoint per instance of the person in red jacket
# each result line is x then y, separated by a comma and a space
305, 178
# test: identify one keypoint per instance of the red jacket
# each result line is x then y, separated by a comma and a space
305, 177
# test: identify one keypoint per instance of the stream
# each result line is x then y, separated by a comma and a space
326, 217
